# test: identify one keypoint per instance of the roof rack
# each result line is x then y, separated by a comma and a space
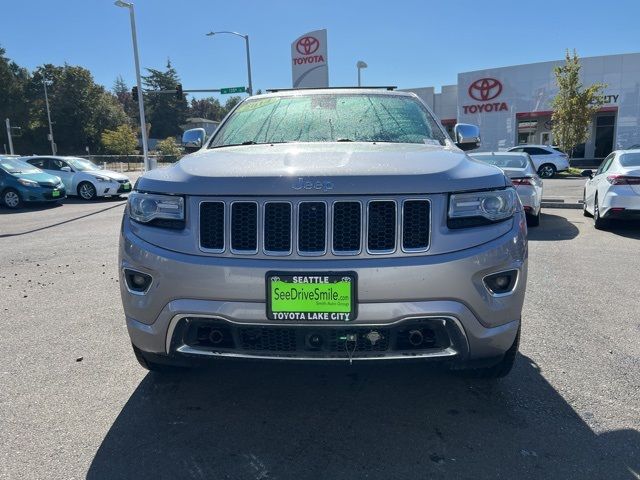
376, 87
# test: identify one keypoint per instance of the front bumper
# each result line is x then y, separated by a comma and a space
42, 194
104, 189
393, 294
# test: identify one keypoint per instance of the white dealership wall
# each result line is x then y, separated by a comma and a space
526, 92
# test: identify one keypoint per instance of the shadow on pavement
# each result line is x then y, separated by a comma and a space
293, 421
553, 227
625, 228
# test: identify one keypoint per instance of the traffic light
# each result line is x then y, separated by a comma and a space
179, 94
134, 93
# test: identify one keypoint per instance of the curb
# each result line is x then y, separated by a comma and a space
554, 204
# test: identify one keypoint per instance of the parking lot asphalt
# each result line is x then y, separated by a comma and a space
74, 403
569, 189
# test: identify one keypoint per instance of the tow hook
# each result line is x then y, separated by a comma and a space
350, 345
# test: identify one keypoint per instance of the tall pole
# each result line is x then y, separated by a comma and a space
8, 123
46, 101
358, 76
250, 90
143, 123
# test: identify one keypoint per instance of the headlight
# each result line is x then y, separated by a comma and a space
102, 179
159, 210
481, 208
27, 183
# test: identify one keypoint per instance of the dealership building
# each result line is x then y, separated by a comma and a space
512, 105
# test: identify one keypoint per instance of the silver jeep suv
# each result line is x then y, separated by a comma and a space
326, 225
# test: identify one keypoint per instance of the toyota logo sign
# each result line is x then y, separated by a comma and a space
307, 45
485, 89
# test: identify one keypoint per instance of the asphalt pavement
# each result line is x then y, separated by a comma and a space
75, 404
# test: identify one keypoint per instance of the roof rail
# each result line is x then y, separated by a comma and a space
376, 87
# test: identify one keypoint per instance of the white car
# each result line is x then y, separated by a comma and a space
614, 190
547, 160
83, 177
520, 170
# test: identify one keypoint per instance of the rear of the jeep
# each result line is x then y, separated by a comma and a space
326, 226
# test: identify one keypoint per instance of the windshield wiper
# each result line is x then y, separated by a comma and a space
248, 142
344, 140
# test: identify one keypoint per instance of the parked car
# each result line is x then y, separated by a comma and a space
613, 191
83, 177
520, 170
547, 160
21, 183
326, 225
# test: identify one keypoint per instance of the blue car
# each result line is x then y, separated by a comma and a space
21, 183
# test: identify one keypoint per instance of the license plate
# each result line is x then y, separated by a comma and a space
55, 193
311, 296
127, 186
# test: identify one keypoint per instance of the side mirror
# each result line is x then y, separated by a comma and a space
587, 173
193, 139
65, 169
466, 136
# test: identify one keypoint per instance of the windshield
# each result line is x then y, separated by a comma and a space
329, 118
11, 165
81, 165
630, 160
503, 161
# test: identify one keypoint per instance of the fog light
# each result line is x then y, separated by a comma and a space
502, 282
137, 282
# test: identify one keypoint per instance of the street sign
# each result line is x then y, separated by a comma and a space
225, 91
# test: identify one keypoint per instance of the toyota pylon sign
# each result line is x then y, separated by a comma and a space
309, 62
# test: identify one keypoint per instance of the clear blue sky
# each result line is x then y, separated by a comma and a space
406, 43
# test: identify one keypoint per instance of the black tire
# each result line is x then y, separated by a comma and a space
146, 363
500, 369
87, 191
533, 220
598, 222
547, 170
584, 205
11, 199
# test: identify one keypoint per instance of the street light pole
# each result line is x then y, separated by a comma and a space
246, 41
8, 123
360, 65
143, 123
46, 101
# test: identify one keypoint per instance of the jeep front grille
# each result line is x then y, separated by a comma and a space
327, 227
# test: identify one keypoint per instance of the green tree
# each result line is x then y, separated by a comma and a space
165, 112
121, 141
123, 94
230, 104
574, 105
208, 108
168, 147
13, 102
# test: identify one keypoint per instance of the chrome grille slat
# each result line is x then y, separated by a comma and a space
321, 227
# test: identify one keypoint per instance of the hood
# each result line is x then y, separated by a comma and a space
315, 168
41, 177
108, 173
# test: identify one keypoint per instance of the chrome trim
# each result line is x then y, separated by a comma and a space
317, 253
505, 294
126, 284
224, 227
447, 352
230, 229
264, 237
362, 227
395, 240
176, 319
401, 233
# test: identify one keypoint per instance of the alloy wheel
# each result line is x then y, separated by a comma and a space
11, 199
547, 171
87, 191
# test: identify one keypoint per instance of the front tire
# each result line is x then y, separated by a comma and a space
547, 170
152, 366
11, 199
500, 369
87, 191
